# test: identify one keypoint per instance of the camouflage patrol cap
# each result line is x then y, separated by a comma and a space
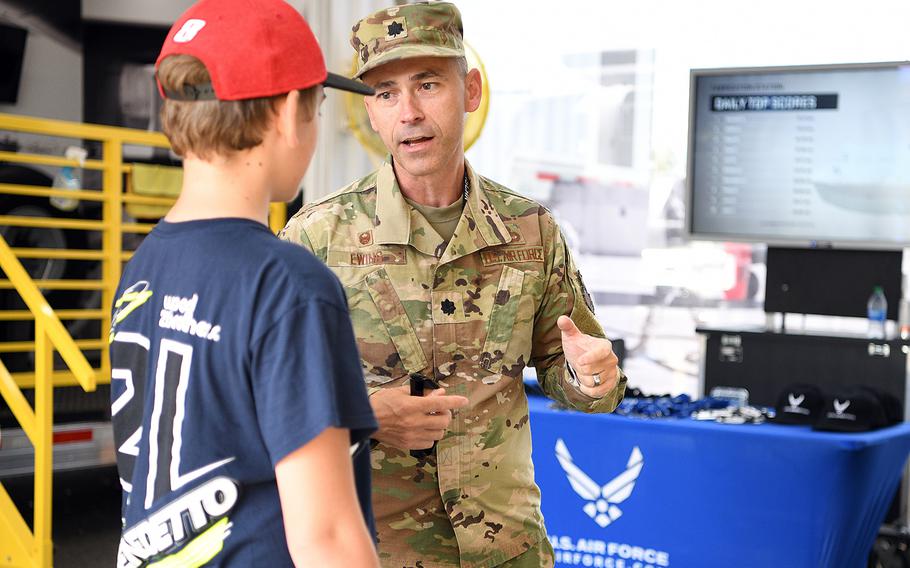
401, 32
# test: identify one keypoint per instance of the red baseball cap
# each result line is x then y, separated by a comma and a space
251, 49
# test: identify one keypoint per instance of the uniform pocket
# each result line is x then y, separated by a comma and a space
395, 320
498, 354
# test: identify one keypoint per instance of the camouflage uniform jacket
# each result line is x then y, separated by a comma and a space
472, 314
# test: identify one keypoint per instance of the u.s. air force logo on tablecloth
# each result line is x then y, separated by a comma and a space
602, 501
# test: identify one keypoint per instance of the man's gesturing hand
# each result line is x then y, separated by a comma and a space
413, 422
588, 356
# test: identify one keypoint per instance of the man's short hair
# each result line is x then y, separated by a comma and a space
462, 65
215, 127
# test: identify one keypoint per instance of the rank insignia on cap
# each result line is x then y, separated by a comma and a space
396, 28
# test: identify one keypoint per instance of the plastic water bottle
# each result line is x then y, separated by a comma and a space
877, 313
68, 179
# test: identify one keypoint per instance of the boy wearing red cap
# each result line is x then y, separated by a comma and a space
237, 395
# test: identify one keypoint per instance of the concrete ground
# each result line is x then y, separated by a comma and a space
86, 515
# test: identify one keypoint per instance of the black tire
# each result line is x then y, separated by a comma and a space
37, 268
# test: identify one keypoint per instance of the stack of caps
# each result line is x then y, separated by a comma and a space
850, 409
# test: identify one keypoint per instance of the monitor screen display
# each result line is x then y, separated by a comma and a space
805, 156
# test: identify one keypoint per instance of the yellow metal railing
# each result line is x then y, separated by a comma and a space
111, 225
18, 545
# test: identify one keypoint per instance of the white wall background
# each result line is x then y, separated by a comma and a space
145, 12
522, 43
339, 158
51, 82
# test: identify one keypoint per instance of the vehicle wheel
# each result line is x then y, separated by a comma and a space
24, 237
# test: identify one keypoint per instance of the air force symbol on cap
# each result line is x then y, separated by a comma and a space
840, 407
188, 30
795, 407
602, 501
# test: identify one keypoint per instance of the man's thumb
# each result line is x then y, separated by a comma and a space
567, 326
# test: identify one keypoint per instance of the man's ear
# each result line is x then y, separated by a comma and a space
287, 113
473, 90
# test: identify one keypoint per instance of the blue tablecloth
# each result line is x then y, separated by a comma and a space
632, 493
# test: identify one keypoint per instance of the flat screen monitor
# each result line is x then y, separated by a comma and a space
12, 52
805, 156
831, 282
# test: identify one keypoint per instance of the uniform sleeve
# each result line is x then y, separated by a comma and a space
565, 294
306, 377
295, 232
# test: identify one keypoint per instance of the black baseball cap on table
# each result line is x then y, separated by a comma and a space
852, 410
799, 404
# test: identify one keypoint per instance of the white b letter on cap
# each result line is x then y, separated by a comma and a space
188, 30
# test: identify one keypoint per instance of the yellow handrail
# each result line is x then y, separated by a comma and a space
18, 544
66, 254
39, 191
25, 315
46, 318
41, 160
25, 546
81, 131
61, 284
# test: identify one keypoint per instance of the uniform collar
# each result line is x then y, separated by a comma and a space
397, 223
393, 214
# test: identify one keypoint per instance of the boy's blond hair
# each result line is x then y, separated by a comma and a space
209, 128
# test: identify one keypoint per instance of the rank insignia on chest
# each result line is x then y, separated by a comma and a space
447, 306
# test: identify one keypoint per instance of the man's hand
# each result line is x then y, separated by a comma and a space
589, 356
413, 422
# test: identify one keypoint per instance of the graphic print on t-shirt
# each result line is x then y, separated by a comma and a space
195, 524
132, 298
205, 507
221, 338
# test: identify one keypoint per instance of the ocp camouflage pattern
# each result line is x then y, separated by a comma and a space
413, 30
472, 313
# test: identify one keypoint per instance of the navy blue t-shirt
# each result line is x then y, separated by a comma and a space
229, 350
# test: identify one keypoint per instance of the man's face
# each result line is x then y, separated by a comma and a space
298, 156
419, 111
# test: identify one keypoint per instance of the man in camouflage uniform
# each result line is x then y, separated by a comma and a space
453, 276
